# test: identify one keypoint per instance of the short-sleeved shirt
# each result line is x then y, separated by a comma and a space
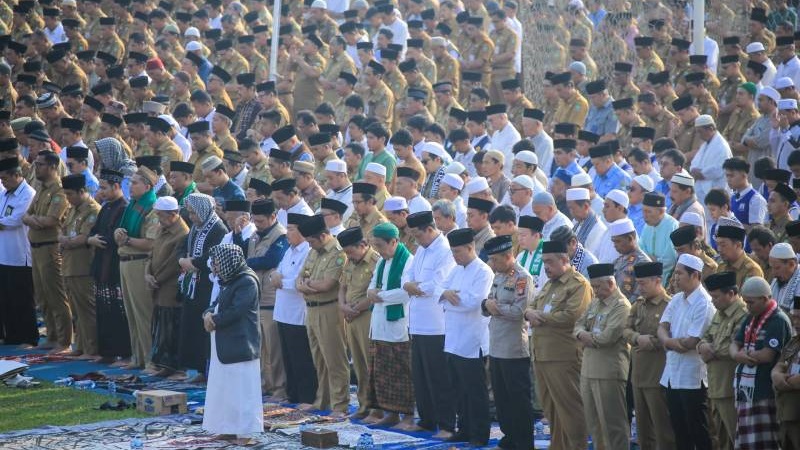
689, 316
49, 201
357, 275
324, 264
80, 221
774, 334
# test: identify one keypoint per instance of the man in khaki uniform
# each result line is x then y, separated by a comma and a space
77, 279
445, 101
202, 147
353, 303
447, 67
556, 355
44, 219
159, 139
647, 61
606, 360
784, 379
572, 107
478, 56
367, 214
684, 134
380, 102
730, 245
134, 238
319, 284
622, 85
257, 161
339, 62
759, 31
516, 101
265, 249
505, 49
309, 67
109, 41
655, 115
230, 60
743, 116
648, 359
696, 87
714, 348
732, 78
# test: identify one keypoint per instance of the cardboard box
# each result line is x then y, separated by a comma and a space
161, 403
319, 438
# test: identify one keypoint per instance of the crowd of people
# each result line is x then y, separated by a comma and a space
599, 231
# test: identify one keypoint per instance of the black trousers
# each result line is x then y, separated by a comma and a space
17, 307
301, 376
469, 379
688, 411
433, 387
511, 381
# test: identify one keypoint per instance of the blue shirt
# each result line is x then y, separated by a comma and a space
602, 120
615, 178
597, 17
92, 185
636, 214
229, 191
572, 168
663, 187
656, 243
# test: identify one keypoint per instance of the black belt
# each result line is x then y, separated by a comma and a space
315, 304
131, 257
42, 244
285, 93
266, 308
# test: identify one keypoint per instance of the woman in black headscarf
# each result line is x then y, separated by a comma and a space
233, 397
194, 283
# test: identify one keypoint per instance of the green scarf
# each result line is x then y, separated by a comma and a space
536, 262
136, 211
394, 312
189, 190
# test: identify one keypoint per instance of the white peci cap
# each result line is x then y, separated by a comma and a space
191, 31
770, 92
787, 103
577, 194
703, 120
524, 181
691, 261
581, 179
454, 181
754, 47
527, 157
336, 165
193, 46
455, 167
395, 204
782, 250
166, 203
621, 226
619, 197
691, 218
684, 179
476, 185
376, 168
783, 83
645, 182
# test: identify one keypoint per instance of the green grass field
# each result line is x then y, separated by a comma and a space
48, 404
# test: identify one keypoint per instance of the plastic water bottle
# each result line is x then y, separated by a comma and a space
538, 430
64, 382
137, 442
112, 389
85, 384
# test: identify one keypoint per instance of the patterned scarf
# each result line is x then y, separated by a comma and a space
229, 261
787, 297
582, 229
577, 260
203, 206
746, 381
535, 267
113, 156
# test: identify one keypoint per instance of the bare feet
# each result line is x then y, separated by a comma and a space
86, 357
305, 407
408, 424
121, 363
104, 360
178, 376
337, 414
443, 434
47, 345
389, 419
374, 416
244, 442
163, 373
132, 366
60, 351
358, 415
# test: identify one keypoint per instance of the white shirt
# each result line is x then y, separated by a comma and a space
184, 144
543, 144
688, 316
240, 178
80, 143
210, 118
57, 35
595, 237
708, 159
430, 268
267, 145
710, 48
338, 6
606, 253
758, 207
769, 76
400, 30
300, 207
461, 212
381, 329
655, 176
503, 140
345, 196
466, 160
15, 250
417, 204
789, 69
290, 307
557, 221
336, 230
516, 26
466, 329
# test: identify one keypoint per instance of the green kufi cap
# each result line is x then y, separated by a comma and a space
386, 231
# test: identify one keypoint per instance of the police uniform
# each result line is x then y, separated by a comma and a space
355, 279
623, 272
652, 416
604, 371
273, 372
77, 278
509, 353
51, 295
557, 356
325, 327
721, 370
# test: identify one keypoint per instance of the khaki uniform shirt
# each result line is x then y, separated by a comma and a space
225, 141
562, 302
505, 41
324, 264
357, 275
150, 228
764, 36
573, 110
8, 97
380, 104
236, 64
427, 68
163, 263
163, 87
744, 267
308, 90
707, 105
644, 317
618, 92
448, 69
366, 223
739, 122
168, 151
222, 98
508, 331
49, 201
91, 133
260, 172
515, 111
787, 401
662, 123
79, 222
482, 236
113, 46
608, 356
408, 240
313, 195
342, 63
198, 156
483, 49
645, 66
687, 138
625, 131
719, 334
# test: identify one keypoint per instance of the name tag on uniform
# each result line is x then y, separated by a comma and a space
9, 210
794, 369
547, 308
